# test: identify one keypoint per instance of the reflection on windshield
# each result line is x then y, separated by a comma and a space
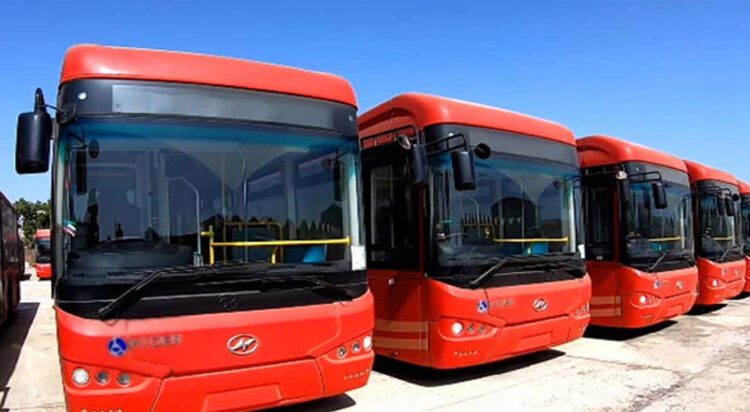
718, 231
43, 251
162, 193
745, 212
521, 206
652, 231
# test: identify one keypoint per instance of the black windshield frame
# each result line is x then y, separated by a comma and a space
335, 119
745, 212
709, 223
514, 147
678, 244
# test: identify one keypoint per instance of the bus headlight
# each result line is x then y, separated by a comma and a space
367, 342
80, 377
457, 328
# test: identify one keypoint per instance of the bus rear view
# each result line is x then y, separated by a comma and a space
206, 241
474, 249
721, 262
639, 233
42, 251
745, 218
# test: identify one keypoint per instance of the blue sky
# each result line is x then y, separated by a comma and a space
674, 75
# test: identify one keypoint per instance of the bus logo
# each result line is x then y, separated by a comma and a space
483, 306
117, 347
540, 305
680, 284
242, 345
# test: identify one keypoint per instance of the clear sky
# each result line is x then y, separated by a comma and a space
674, 75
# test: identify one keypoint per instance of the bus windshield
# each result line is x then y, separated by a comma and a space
745, 212
138, 194
719, 232
43, 250
649, 231
521, 206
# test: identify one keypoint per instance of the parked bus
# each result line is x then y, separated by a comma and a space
745, 218
473, 241
721, 263
11, 260
206, 244
42, 254
639, 233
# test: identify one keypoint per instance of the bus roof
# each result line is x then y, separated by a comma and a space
102, 62
698, 172
600, 150
42, 233
424, 110
744, 187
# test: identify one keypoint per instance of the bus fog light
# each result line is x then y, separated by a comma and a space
457, 328
341, 352
124, 379
80, 377
470, 329
102, 377
367, 342
356, 347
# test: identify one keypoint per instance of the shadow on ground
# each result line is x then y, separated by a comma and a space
320, 405
621, 334
742, 296
12, 336
705, 310
434, 377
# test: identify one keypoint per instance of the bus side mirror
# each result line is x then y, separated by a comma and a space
463, 170
33, 135
660, 195
729, 206
721, 205
418, 163
624, 185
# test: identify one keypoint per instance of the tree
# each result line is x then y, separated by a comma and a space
36, 215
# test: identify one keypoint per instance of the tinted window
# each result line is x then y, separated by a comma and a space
599, 212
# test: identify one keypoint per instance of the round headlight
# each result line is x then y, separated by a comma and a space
715, 282
367, 342
643, 299
80, 376
124, 379
457, 328
102, 377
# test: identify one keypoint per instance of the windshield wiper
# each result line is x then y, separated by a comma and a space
726, 252
487, 274
658, 261
136, 292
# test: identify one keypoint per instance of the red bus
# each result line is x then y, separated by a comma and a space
42, 253
745, 217
639, 233
11, 260
207, 250
473, 240
721, 263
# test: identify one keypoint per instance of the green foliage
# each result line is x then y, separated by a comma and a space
36, 215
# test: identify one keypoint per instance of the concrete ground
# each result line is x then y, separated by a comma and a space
699, 362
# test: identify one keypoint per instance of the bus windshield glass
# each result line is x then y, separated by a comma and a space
719, 232
650, 231
521, 206
43, 250
745, 209
138, 194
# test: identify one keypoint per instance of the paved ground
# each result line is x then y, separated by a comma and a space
701, 362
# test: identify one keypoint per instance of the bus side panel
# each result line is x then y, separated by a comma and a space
747, 274
400, 325
606, 297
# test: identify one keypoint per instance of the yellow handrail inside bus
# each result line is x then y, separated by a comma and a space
723, 238
665, 239
268, 243
532, 240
